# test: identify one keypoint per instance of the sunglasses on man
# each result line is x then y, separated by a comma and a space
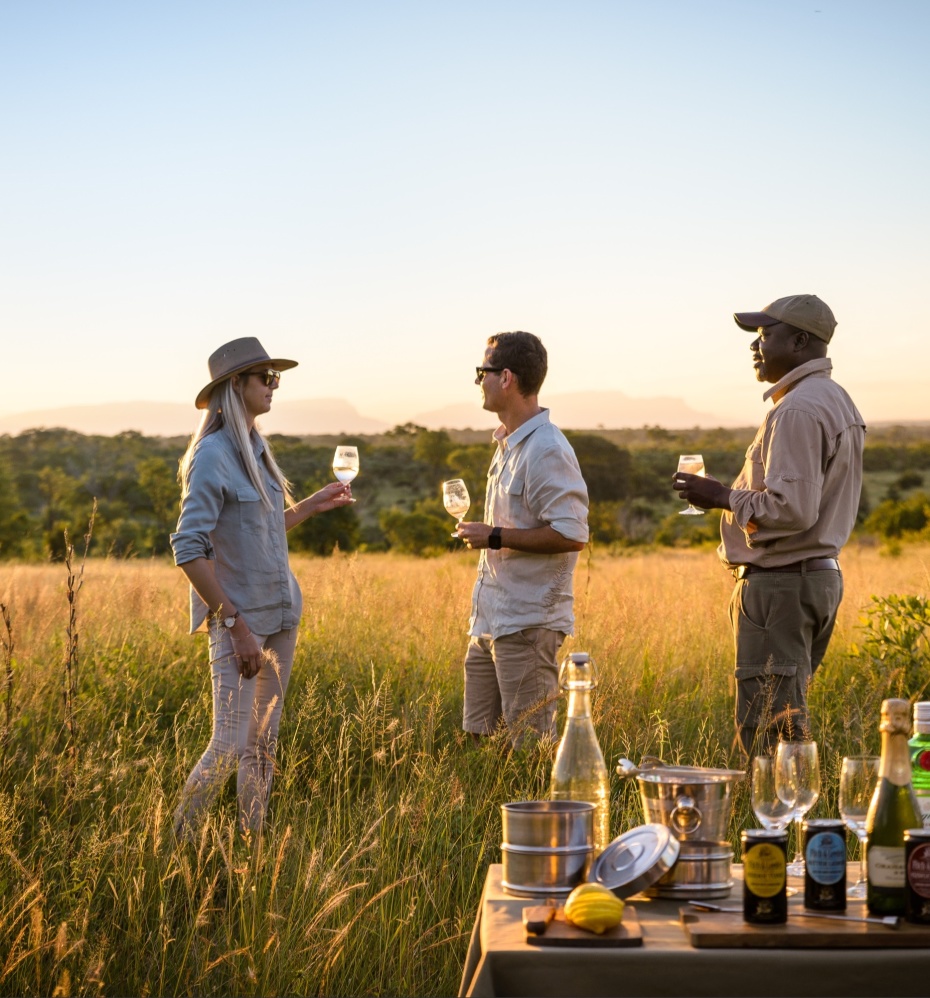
482, 371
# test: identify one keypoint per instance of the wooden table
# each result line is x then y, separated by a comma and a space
500, 962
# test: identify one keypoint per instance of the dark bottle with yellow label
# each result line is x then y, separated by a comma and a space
765, 878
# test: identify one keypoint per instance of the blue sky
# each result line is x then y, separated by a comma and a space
374, 188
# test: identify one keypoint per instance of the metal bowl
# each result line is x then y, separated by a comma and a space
548, 846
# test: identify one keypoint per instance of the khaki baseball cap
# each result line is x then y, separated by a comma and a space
805, 312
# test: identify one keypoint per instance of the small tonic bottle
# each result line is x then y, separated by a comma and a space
579, 772
919, 747
892, 811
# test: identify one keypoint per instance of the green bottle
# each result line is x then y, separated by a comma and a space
893, 810
919, 747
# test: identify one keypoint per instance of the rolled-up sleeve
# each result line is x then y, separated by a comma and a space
557, 493
793, 455
201, 507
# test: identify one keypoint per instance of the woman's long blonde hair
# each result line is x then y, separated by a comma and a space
225, 413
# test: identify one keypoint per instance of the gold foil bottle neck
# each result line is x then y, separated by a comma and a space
896, 717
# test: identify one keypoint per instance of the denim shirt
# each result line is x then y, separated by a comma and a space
224, 519
534, 481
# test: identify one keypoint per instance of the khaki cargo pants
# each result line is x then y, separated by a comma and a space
782, 623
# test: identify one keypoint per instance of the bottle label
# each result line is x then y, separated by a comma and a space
764, 869
826, 858
918, 870
923, 804
886, 866
921, 760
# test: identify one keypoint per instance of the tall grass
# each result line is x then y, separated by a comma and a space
383, 817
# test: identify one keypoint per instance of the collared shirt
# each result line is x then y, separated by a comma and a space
224, 519
534, 481
798, 493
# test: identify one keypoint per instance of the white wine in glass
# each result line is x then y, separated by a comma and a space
345, 463
691, 464
456, 499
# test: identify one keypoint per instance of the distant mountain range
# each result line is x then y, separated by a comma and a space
578, 410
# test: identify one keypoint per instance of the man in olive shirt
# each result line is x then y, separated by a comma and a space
536, 522
787, 515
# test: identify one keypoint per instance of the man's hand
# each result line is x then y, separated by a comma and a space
475, 535
703, 491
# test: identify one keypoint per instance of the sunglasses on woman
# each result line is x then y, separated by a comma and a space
269, 376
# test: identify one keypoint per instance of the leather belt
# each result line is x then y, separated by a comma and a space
798, 568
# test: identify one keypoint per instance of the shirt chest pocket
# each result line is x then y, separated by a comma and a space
251, 509
511, 483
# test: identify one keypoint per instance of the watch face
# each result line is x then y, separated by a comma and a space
229, 622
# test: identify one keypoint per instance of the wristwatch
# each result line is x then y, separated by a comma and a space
494, 540
230, 622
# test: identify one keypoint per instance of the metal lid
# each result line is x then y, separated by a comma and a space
917, 835
753, 835
636, 860
822, 824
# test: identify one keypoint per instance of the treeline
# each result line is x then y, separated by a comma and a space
49, 480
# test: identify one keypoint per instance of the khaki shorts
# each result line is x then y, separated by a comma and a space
514, 678
782, 623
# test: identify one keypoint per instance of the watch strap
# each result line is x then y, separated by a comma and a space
494, 540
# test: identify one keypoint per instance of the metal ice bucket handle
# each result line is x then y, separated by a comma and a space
685, 816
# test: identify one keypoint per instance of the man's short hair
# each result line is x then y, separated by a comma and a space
524, 355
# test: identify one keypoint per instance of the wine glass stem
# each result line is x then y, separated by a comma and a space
863, 873
798, 858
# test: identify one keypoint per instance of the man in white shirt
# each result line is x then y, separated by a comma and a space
536, 512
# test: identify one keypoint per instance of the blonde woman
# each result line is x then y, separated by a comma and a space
230, 543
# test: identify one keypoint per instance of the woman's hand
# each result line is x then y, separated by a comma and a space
332, 496
247, 650
329, 497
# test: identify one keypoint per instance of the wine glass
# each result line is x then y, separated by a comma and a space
456, 499
858, 779
345, 463
771, 810
691, 464
797, 781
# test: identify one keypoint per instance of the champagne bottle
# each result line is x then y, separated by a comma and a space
919, 747
892, 810
579, 772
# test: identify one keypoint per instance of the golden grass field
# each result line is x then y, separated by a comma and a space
383, 818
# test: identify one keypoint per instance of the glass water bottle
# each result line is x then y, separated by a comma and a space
578, 772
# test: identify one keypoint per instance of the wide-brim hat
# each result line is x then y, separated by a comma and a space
234, 358
805, 312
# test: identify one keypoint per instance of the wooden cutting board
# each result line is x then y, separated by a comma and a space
728, 930
561, 933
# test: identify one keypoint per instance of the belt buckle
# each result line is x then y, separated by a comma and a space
741, 571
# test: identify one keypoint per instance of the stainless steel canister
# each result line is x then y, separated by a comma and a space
702, 870
547, 846
694, 802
